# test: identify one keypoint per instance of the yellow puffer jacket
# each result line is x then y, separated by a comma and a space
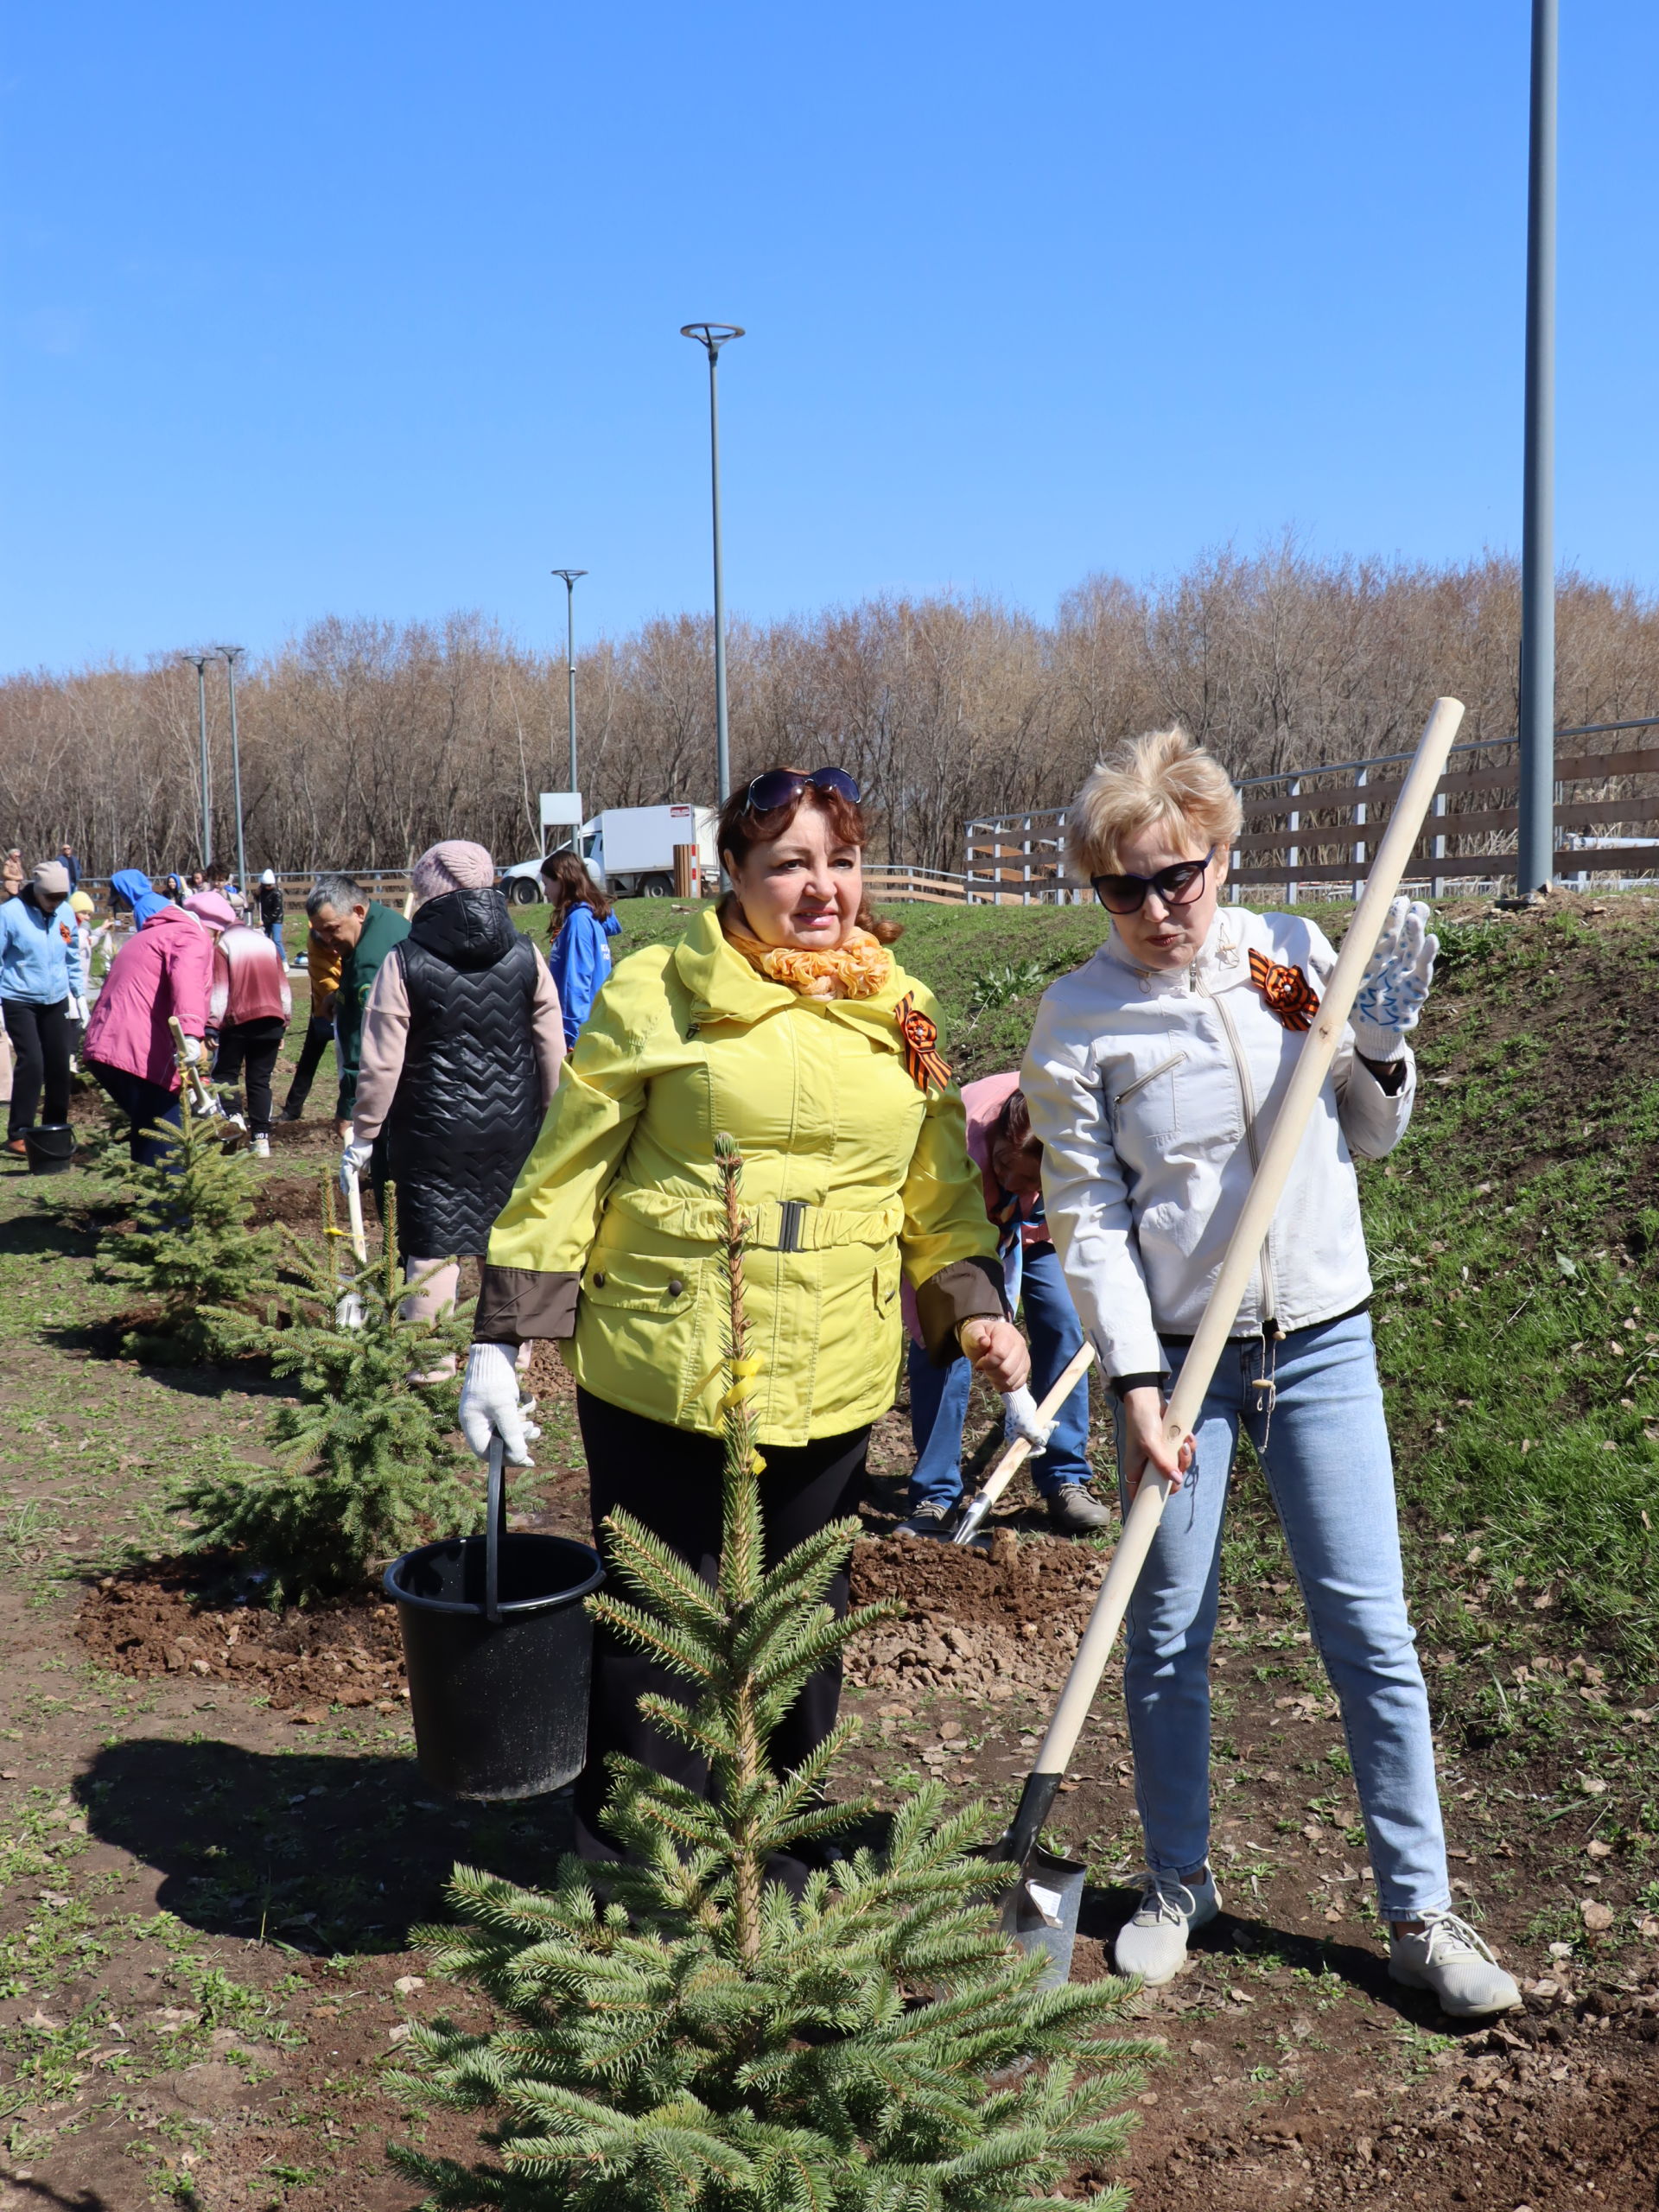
853, 1175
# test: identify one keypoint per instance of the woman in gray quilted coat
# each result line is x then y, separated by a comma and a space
462, 1041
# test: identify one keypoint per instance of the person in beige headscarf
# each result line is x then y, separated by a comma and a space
461, 1044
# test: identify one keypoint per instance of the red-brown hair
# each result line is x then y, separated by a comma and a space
740, 829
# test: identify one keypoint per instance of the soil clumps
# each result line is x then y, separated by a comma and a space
148, 1621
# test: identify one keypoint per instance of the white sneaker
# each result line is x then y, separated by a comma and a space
1154, 1943
1456, 1964
261, 1148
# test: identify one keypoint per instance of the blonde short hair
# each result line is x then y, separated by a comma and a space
1157, 780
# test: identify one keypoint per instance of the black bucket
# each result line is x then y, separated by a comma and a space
500, 1651
51, 1148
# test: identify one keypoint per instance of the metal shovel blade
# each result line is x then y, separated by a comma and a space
1041, 1911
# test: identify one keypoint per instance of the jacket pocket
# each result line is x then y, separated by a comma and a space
633, 1282
640, 1339
1164, 1067
1146, 1105
886, 1277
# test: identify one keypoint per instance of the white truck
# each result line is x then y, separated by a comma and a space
629, 851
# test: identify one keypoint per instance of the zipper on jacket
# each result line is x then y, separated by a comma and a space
1151, 1076
1247, 1094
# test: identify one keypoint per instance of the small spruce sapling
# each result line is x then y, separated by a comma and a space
368, 1463
190, 1245
702, 2039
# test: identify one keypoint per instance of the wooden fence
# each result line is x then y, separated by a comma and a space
1309, 833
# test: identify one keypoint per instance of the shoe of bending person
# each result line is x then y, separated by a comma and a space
930, 1518
1073, 1512
1154, 1943
1449, 1960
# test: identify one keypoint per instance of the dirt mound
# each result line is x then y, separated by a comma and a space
1012, 1584
295, 1201
152, 1620
975, 1624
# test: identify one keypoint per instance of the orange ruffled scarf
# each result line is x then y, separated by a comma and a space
857, 969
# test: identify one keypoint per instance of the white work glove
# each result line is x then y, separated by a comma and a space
1020, 1418
353, 1159
192, 1052
1394, 985
490, 1406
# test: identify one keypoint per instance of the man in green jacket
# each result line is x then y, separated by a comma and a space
363, 932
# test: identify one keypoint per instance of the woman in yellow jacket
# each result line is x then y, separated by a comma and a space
782, 1019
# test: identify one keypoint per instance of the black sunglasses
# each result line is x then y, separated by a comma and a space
779, 786
1178, 885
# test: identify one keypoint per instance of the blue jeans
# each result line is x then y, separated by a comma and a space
145, 1105
938, 1395
1326, 1453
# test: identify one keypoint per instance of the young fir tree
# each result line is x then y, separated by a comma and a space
190, 1245
702, 2039
368, 1466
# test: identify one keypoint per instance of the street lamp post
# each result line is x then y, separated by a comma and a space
1535, 862
569, 576
200, 661
714, 335
228, 654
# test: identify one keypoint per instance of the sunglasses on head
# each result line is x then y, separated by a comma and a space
1179, 885
778, 786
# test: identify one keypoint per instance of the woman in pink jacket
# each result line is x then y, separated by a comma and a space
250, 1005
164, 970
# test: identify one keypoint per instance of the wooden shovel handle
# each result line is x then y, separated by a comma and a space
1244, 1247
1020, 1450
189, 1069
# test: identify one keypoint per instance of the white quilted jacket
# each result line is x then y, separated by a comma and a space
1153, 1093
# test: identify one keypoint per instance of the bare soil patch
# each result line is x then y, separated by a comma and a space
152, 1620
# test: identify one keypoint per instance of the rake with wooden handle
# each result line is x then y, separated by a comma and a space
1020, 1450
1039, 1915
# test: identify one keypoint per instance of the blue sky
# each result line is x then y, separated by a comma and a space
367, 309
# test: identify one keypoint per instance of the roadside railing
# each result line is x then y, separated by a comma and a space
931, 886
1310, 833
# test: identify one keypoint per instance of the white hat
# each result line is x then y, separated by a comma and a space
270, 876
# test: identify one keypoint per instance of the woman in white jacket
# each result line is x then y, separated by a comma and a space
1152, 1077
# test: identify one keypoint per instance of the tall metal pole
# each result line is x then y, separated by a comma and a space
199, 662
1535, 856
570, 575
228, 655
714, 335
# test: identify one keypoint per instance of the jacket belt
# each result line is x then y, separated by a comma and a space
775, 1225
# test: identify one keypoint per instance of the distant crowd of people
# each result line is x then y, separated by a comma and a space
101, 992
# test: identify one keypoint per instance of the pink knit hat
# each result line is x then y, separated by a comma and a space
211, 908
453, 865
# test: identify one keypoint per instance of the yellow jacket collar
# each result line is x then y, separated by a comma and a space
725, 987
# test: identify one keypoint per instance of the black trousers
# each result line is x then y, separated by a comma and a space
671, 1479
254, 1045
319, 1035
42, 1037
